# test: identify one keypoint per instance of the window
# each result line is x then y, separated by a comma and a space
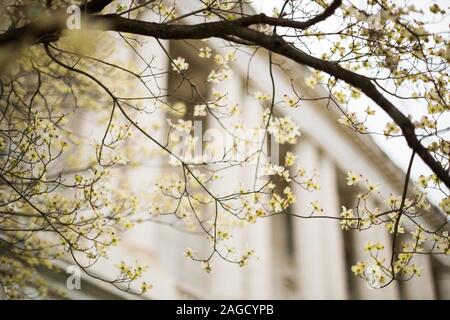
285, 267
192, 89
441, 276
347, 199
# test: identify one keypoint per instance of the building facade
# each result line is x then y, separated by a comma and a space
296, 258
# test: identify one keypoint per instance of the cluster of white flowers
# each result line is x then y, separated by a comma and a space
223, 71
311, 82
205, 52
352, 178
444, 204
348, 220
289, 159
391, 129
181, 125
284, 129
262, 96
350, 120
271, 169
166, 12
179, 64
200, 110
291, 101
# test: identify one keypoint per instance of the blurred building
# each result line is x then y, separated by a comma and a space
296, 258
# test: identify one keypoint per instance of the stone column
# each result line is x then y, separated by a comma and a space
421, 288
152, 243
442, 280
332, 235
259, 271
227, 280
320, 255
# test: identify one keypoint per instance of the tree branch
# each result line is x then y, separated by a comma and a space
46, 29
280, 22
238, 28
36, 32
